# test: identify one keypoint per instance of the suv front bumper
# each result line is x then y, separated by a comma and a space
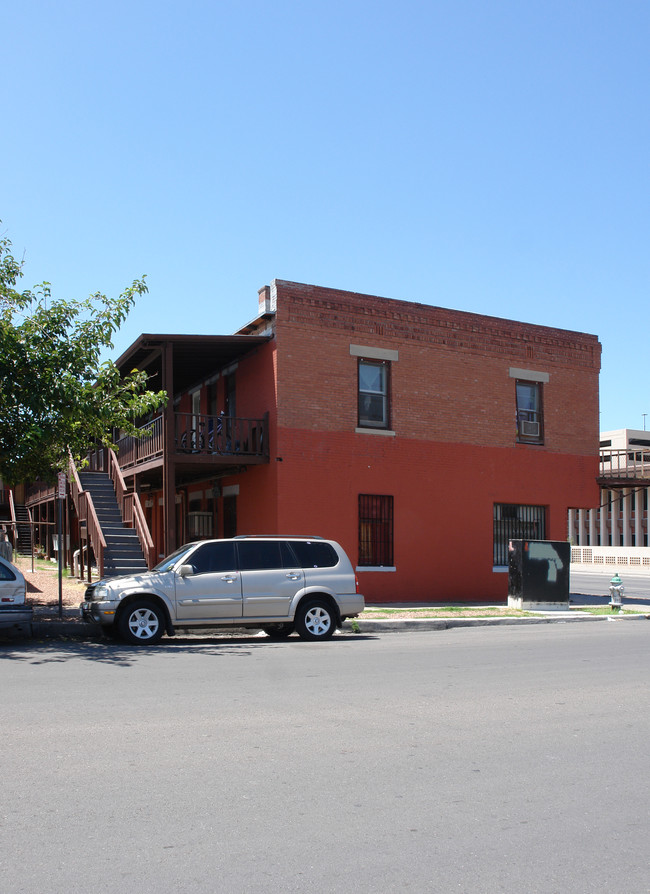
98, 612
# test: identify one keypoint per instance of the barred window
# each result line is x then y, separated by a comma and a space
513, 522
375, 530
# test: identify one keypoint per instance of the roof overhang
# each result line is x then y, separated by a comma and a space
194, 357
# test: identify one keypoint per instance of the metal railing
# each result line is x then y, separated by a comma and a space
627, 463
195, 433
219, 435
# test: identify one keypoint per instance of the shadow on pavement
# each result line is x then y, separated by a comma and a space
640, 602
114, 652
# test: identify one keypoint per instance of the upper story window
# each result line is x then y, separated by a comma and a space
530, 408
374, 393
530, 417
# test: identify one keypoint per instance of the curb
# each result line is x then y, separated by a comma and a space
389, 626
54, 628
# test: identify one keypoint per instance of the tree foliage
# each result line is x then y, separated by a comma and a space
55, 391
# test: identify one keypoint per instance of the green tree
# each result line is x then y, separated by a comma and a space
55, 391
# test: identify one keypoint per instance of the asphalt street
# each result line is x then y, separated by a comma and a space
476, 760
595, 583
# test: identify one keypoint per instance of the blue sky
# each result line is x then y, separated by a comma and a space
485, 155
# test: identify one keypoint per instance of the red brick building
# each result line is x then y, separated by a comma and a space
420, 438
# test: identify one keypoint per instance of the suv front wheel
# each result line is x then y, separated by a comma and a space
141, 623
315, 620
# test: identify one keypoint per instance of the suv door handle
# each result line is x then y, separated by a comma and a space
229, 578
292, 575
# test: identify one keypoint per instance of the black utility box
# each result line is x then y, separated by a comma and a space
538, 574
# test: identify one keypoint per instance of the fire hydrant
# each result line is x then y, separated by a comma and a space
616, 589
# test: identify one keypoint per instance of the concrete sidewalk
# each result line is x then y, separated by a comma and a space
48, 624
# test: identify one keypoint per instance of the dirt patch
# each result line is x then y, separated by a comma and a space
43, 584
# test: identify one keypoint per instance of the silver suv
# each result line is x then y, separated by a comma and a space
278, 584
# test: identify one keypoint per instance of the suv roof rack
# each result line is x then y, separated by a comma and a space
277, 537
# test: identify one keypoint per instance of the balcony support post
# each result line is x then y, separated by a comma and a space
604, 513
593, 534
169, 450
626, 503
638, 517
582, 527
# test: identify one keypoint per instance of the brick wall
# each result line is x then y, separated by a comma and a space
451, 382
454, 451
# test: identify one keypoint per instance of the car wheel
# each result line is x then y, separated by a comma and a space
279, 631
142, 623
315, 620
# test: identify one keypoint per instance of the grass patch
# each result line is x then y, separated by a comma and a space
603, 610
42, 565
445, 611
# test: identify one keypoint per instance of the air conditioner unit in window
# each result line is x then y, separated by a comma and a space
530, 429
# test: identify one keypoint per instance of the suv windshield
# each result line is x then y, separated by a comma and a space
174, 557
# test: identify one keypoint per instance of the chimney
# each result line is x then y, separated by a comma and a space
264, 300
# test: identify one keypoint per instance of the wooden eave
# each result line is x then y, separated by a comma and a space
195, 357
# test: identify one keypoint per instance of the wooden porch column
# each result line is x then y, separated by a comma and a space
169, 451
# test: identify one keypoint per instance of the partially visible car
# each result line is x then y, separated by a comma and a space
277, 584
15, 614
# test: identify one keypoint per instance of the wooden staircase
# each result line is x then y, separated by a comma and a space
122, 553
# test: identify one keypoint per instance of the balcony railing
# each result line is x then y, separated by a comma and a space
198, 434
219, 435
629, 463
135, 451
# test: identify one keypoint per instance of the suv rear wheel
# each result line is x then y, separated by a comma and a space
141, 623
315, 620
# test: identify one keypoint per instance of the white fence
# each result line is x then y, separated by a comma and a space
613, 556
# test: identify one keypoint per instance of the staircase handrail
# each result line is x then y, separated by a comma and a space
94, 533
141, 527
14, 522
85, 507
75, 482
131, 509
119, 485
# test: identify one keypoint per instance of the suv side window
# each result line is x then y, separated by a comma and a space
212, 558
264, 555
314, 554
6, 573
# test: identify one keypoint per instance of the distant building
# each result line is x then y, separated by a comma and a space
621, 517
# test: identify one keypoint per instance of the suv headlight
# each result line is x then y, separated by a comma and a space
100, 594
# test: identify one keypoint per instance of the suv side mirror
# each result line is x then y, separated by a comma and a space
186, 570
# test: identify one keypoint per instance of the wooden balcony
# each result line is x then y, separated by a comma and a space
197, 440
623, 467
40, 492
